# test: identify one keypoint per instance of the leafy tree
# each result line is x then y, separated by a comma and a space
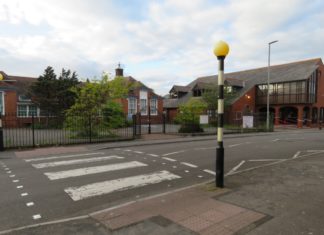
53, 95
189, 114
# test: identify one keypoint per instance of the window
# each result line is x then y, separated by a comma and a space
24, 98
1, 102
132, 106
143, 107
22, 110
27, 110
153, 106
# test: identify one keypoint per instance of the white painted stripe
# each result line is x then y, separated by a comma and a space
189, 164
15, 181
169, 159
210, 172
38, 216
275, 140
264, 160
296, 155
24, 194
105, 187
233, 145
8, 172
315, 151
20, 186
153, 155
186, 171
11, 176
7, 169
127, 150
72, 162
29, 204
63, 156
205, 148
167, 154
92, 170
138, 152
200, 176
235, 168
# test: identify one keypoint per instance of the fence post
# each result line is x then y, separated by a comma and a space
134, 125
90, 129
1, 135
164, 121
33, 130
140, 124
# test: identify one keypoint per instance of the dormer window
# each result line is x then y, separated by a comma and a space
23, 98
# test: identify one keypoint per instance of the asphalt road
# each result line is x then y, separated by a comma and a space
68, 185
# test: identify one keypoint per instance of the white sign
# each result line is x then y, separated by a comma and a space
203, 119
247, 121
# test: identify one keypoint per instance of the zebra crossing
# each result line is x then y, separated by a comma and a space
77, 165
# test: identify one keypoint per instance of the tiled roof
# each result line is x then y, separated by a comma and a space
247, 79
18, 83
177, 88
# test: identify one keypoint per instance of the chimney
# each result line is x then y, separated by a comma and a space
119, 71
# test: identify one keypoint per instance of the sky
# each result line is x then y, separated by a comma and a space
159, 42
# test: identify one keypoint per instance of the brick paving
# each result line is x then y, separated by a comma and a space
194, 209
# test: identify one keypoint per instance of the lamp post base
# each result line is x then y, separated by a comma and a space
220, 167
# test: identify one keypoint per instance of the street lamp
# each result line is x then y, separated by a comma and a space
268, 94
221, 50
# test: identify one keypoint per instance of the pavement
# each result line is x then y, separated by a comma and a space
283, 198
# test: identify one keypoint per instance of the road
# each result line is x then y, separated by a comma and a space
51, 187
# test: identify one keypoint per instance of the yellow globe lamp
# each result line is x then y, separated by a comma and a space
221, 49
1, 77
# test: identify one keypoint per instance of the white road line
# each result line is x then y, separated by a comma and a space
275, 140
105, 187
139, 152
264, 160
7, 169
20, 186
200, 176
153, 155
92, 170
315, 151
174, 167
24, 194
29, 204
235, 168
15, 181
189, 164
8, 172
167, 154
296, 155
205, 148
128, 150
186, 171
11, 176
233, 145
72, 162
63, 156
210, 172
38, 216
169, 159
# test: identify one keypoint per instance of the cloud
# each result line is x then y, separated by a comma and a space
162, 43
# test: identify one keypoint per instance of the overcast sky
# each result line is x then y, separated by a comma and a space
160, 43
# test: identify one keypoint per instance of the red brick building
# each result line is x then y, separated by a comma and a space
141, 100
296, 93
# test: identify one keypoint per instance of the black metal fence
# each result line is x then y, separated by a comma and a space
61, 130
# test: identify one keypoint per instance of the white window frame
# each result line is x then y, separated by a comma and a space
143, 106
27, 111
3, 103
154, 101
129, 106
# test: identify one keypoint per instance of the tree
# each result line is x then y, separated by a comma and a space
189, 114
53, 95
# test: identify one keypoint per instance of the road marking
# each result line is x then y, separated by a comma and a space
169, 159
200, 176
29, 204
72, 162
205, 148
92, 170
186, 171
24, 194
8, 172
152, 155
20, 186
275, 140
128, 150
234, 145
7, 169
264, 160
189, 164
38, 216
315, 151
163, 163
167, 154
174, 167
139, 152
235, 168
15, 181
105, 187
210, 172
296, 155
11, 176
63, 156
